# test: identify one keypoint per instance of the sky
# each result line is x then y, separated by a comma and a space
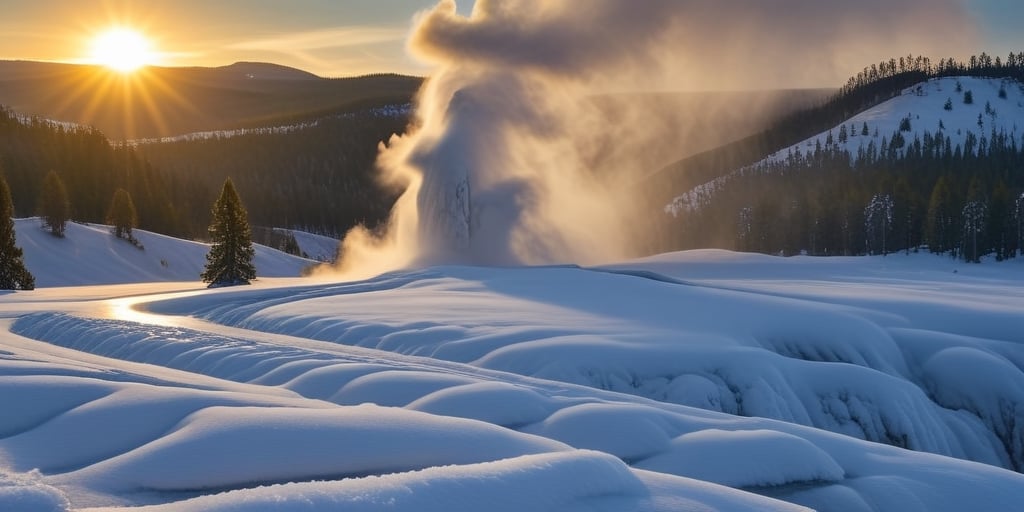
351, 37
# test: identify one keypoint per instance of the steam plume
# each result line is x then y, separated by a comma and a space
511, 160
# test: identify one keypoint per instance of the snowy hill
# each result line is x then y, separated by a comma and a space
91, 255
540, 389
315, 247
924, 108
920, 112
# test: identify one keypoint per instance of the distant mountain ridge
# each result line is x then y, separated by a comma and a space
168, 101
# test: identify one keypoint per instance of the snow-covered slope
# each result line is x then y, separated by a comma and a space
182, 414
90, 255
315, 247
923, 107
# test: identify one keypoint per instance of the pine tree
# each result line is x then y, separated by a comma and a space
878, 221
122, 215
229, 261
940, 218
13, 274
54, 207
974, 219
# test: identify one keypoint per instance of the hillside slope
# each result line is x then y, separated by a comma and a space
166, 101
996, 104
90, 255
921, 109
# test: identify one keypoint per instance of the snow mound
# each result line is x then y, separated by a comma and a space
26, 493
225, 447
770, 458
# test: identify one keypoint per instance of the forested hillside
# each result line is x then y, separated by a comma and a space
319, 179
168, 101
939, 165
318, 176
91, 170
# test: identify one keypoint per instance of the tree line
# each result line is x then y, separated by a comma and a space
89, 168
898, 195
319, 179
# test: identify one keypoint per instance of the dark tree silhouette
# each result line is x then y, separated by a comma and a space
230, 260
54, 207
13, 274
121, 214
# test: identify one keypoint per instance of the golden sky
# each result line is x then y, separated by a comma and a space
351, 37
326, 37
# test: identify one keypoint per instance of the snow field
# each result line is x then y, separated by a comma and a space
549, 388
859, 355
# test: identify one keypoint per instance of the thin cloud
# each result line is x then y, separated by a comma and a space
339, 37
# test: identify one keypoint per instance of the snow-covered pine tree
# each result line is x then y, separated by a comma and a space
13, 274
878, 220
54, 207
230, 260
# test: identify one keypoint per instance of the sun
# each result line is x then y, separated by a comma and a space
121, 49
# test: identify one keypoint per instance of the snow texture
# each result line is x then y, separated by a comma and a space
704, 380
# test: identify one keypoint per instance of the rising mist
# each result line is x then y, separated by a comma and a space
511, 160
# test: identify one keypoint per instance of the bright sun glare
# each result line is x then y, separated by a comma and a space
121, 49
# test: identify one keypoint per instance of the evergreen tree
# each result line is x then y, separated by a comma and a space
229, 261
940, 218
121, 214
54, 207
1000, 222
13, 274
878, 220
975, 214
1018, 220
968, 97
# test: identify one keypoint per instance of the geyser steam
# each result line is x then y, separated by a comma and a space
512, 161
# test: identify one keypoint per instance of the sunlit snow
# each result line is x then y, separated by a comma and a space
704, 380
